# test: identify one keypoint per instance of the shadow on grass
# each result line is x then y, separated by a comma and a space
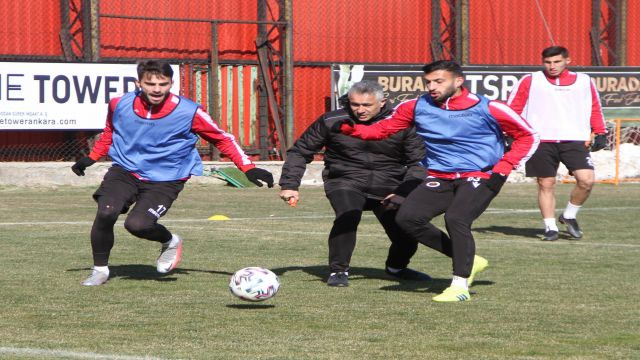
508, 230
148, 272
321, 272
250, 306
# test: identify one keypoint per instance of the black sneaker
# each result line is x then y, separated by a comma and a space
572, 226
550, 235
408, 274
339, 279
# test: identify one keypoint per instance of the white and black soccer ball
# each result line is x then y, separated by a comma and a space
254, 284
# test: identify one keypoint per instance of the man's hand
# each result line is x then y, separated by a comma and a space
337, 126
256, 175
80, 165
495, 182
290, 197
392, 202
599, 143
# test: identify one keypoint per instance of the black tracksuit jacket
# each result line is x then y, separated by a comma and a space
372, 167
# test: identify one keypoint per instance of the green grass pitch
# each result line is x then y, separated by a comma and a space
538, 300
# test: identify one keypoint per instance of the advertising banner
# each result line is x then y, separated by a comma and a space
619, 87
62, 96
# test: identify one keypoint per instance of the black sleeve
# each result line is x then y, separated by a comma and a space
301, 153
415, 152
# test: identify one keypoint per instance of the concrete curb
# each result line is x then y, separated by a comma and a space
33, 174
59, 173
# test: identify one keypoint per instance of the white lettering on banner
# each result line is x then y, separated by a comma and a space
62, 96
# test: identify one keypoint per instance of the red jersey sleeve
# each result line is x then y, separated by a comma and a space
401, 118
525, 138
598, 125
102, 145
520, 94
204, 126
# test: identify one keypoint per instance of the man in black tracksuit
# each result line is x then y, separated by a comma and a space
358, 175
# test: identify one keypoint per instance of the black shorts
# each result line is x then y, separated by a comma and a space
124, 189
546, 160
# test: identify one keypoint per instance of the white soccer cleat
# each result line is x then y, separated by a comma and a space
169, 257
96, 278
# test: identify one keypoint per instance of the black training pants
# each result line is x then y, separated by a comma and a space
461, 201
348, 206
117, 192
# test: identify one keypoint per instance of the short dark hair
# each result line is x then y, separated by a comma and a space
554, 51
155, 67
447, 65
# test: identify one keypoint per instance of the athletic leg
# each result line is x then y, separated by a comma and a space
154, 201
543, 165
423, 204
115, 194
547, 197
348, 206
469, 202
403, 247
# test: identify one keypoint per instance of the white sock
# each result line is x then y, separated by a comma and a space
345, 272
101, 269
550, 224
173, 242
571, 211
459, 282
393, 270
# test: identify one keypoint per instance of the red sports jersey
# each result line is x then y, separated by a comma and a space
511, 123
202, 125
520, 95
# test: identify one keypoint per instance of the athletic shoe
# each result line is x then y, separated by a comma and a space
96, 278
408, 274
572, 226
169, 257
479, 264
453, 294
338, 279
550, 235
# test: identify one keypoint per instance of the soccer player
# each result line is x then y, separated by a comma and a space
357, 176
564, 108
150, 135
467, 166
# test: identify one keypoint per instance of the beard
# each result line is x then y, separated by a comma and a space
445, 94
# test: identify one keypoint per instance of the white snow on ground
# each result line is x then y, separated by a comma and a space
604, 161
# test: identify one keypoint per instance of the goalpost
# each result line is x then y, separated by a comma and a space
619, 161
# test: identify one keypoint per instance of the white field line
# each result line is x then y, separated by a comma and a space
367, 214
220, 226
47, 353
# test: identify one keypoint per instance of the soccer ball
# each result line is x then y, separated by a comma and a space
254, 284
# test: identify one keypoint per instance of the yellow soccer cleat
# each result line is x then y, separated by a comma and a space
453, 294
479, 264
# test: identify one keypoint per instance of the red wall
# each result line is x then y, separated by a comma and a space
30, 28
633, 35
362, 31
131, 38
513, 32
312, 88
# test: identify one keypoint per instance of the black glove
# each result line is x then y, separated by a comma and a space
599, 142
393, 203
80, 165
256, 175
335, 128
508, 141
407, 187
496, 181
